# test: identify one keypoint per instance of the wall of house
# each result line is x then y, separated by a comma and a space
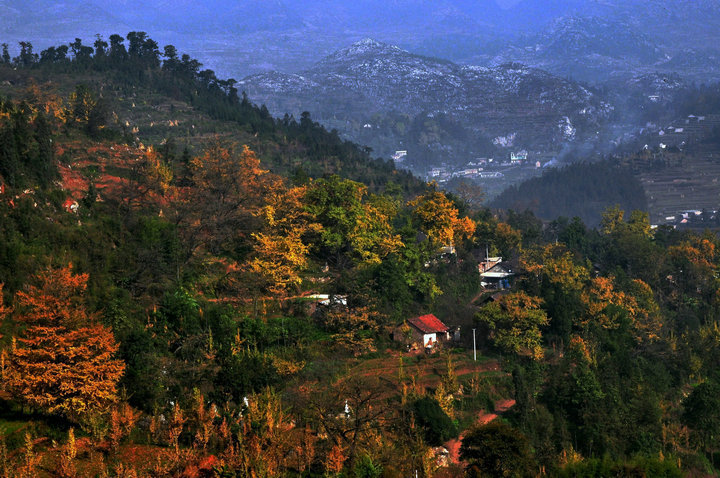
428, 337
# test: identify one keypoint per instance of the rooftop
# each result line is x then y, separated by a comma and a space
428, 324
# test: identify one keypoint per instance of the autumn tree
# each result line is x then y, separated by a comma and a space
64, 361
352, 328
352, 413
608, 308
438, 218
471, 192
86, 110
692, 265
280, 252
613, 222
4, 312
612, 219
556, 275
158, 174
356, 230
219, 212
507, 239
265, 438
553, 263
647, 320
605, 305
514, 323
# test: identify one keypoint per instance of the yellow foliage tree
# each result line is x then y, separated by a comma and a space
265, 438
439, 219
507, 239
556, 264
280, 253
356, 229
373, 237
157, 172
353, 328
515, 322
612, 219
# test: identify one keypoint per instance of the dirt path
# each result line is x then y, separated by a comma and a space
504, 405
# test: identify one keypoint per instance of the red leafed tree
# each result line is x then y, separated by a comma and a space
4, 312
64, 361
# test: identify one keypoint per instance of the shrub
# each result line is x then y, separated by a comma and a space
438, 427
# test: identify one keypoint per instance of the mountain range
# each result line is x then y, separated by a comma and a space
391, 99
249, 36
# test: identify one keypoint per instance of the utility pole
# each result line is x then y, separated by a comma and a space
474, 348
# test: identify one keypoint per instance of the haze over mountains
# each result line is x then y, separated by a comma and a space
239, 38
391, 98
453, 82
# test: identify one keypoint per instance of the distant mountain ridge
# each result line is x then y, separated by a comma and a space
354, 85
587, 48
249, 36
573, 35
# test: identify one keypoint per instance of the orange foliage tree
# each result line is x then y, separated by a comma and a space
438, 218
606, 307
4, 312
693, 264
64, 361
222, 206
598, 299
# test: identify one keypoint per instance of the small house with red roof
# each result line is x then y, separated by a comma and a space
425, 329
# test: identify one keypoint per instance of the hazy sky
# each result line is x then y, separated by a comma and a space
507, 3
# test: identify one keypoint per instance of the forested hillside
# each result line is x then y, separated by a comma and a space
579, 189
193, 288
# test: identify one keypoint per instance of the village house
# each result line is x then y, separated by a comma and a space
399, 156
426, 329
519, 157
488, 263
494, 273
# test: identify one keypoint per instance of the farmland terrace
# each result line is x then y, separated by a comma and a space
692, 184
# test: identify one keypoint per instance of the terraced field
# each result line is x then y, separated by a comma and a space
693, 184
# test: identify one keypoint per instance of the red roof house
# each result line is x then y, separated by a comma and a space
426, 329
428, 324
